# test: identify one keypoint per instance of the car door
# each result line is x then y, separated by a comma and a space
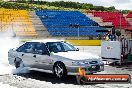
25, 52
42, 55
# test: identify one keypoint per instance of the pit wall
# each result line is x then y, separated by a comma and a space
77, 42
85, 42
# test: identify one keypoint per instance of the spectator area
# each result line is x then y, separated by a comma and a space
68, 23
129, 15
17, 21
115, 17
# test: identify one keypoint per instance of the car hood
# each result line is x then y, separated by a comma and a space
77, 55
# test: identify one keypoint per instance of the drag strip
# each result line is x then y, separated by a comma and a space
36, 79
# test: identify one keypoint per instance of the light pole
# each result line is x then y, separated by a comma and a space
78, 33
77, 26
120, 21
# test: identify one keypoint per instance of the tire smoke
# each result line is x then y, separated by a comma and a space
8, 41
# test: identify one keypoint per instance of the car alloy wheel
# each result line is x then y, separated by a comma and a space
60, 70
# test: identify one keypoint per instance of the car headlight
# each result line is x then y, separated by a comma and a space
80, 63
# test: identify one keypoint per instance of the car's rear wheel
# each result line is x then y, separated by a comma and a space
59, 70
19, 63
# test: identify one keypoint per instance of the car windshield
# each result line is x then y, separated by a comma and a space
60, 47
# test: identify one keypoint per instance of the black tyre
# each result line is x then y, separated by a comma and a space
18, 63
59, 70
82, 81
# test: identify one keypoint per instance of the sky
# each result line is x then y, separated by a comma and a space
119, 4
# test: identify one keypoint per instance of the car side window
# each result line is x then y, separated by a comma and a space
33, 47
23, 47
30, 48
27, 48
40, 48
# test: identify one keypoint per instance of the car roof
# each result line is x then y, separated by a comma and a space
46, 40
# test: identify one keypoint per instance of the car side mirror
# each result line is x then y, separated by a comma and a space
77, 49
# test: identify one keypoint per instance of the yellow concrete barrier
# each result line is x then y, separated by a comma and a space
85, 42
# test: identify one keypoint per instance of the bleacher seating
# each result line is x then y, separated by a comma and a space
115, 17
129, 15
68, 23
17, 21
86, 31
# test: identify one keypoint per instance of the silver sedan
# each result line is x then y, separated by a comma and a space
54, 56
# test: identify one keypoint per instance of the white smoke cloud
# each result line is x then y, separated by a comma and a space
7, 42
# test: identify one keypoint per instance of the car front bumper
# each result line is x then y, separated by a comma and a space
74, 70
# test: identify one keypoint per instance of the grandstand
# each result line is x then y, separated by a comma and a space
129, 18
129, 15
114, 17
17, 21
59, 23
99, 20
68, 23
74, 26
118, 20
41, 30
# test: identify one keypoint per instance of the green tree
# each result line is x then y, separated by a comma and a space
125, 11
86, 6
98, 8
112, 8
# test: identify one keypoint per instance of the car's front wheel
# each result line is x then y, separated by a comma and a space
59, 70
